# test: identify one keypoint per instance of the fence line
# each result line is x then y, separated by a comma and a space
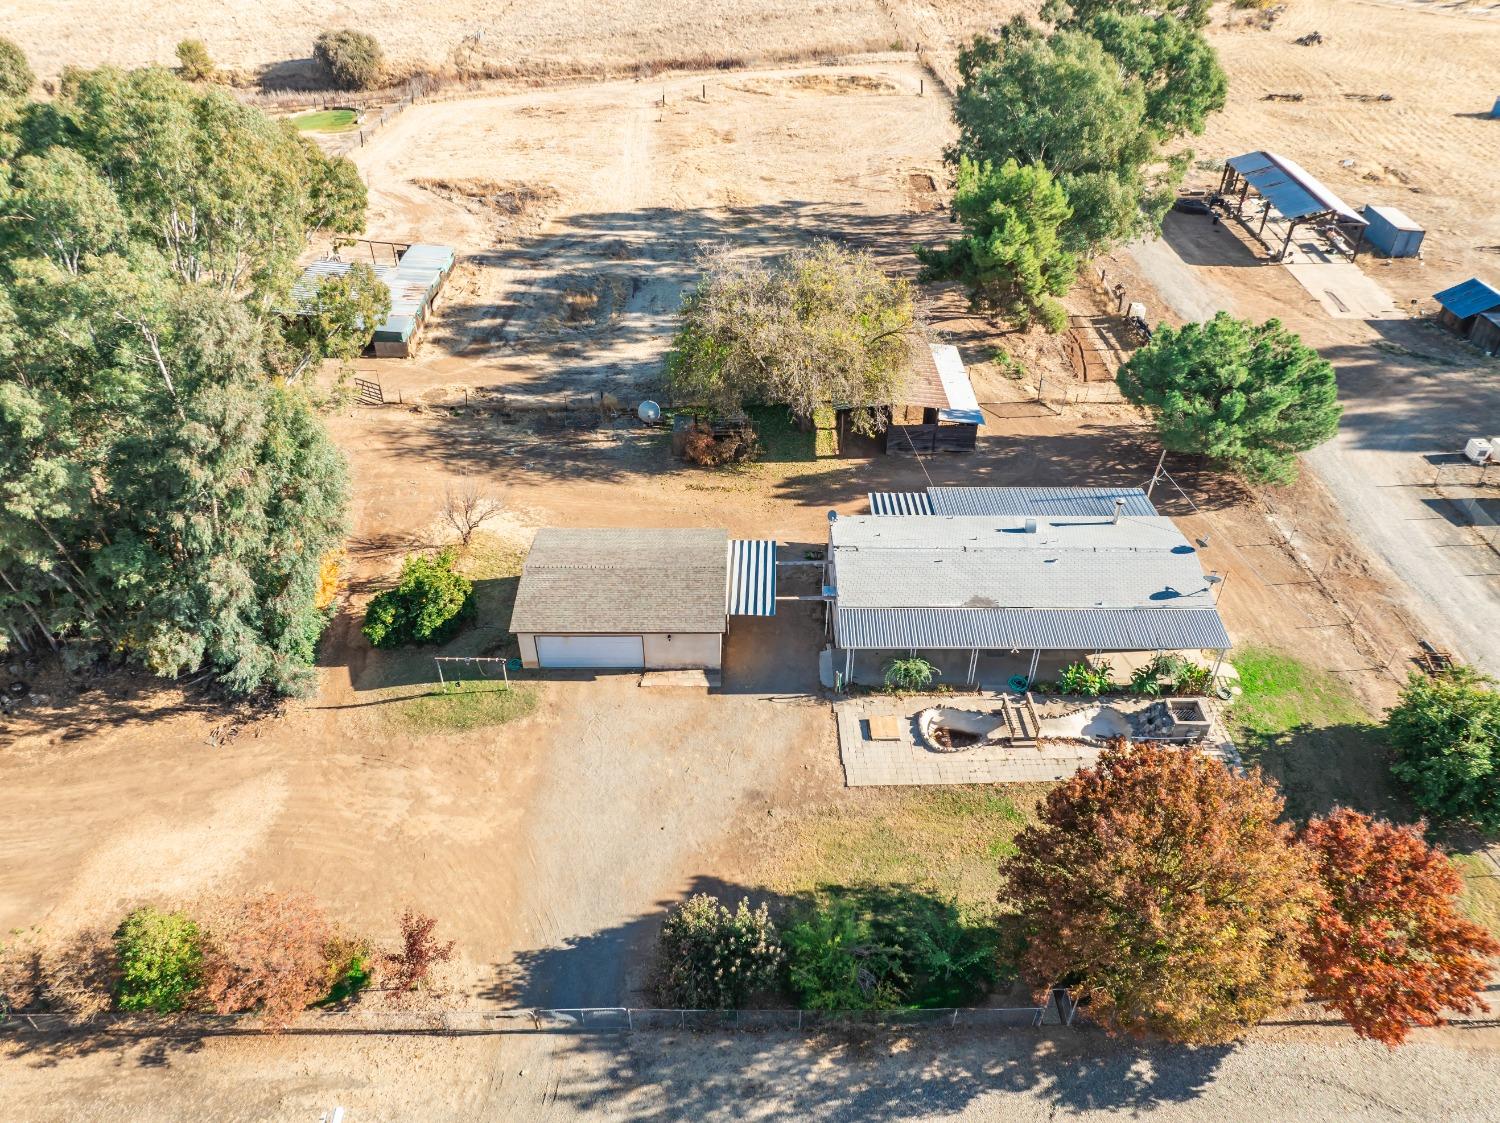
588, 1019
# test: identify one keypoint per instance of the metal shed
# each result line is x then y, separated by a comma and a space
1486, 332
1392, 232
1462, 304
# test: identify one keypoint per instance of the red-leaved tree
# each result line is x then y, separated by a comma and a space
1388, 949
1160, 885
411, 966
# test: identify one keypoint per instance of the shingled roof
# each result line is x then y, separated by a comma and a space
611, 581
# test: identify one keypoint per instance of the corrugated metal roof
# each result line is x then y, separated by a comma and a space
752, 577
411, 287
1037, 501
430, 255
1469, 298
623, 581
925, 382
996, 562
1287, 186
900, 503
1129, 629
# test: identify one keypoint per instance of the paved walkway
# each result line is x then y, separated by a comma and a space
876, 763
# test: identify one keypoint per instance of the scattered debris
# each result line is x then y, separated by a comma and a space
1368, 97
1311, 39
1281, 97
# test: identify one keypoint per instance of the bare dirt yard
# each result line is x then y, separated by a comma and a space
549, 844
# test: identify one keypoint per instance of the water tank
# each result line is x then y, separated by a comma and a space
649, 412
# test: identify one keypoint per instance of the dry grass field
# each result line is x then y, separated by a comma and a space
504, 36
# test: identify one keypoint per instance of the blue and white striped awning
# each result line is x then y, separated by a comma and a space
900, 503
751, 590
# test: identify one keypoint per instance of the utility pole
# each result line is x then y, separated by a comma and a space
1156, 475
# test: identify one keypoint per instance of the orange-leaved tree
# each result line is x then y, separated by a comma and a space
272, 954
1388, 949
1161, 886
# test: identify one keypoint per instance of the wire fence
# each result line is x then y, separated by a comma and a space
1059, 1010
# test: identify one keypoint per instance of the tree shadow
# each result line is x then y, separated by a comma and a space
1320, 768
856, 1071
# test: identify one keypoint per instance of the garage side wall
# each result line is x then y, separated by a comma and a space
527, 643
668, 652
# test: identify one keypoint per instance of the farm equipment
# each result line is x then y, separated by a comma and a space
1432, 660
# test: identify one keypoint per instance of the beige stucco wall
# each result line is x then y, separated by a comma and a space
663, 652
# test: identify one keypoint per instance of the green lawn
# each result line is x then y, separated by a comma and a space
460, 707
1308, 731
1481, 896
946, 841
325, 121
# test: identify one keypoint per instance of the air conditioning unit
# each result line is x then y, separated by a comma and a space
1481, 450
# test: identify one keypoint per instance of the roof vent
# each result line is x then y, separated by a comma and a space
1030, 526
1119, 506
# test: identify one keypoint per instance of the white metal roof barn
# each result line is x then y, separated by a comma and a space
1017, 570
634, 599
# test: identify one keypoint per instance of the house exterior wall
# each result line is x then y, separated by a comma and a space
664, 652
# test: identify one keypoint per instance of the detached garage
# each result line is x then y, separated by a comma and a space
637, 599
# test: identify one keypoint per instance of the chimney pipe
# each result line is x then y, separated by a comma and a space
1119, 506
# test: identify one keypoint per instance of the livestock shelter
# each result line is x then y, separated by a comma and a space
1485, 334
611, 599
994, 583
939, 411
1298, 197
1460, 307
414, 281
1391, 232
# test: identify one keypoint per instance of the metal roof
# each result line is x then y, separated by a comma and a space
963, 404
1038, 501
989, 629
411, 287
752, 577
623, 581
1287, 186
1469, 298
429, 255
1002, 581
1392, 217
900, 503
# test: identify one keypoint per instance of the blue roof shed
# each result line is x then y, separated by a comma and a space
1462, 304
1392, 232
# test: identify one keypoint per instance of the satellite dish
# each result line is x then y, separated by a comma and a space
649, 412
833, 516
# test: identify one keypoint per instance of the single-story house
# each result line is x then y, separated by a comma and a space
990, 583
938, 411
638, 599
1460, 306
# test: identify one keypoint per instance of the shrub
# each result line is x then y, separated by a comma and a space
1080, 678
1161, 886
1193, 678
909, 675
75, 977
160, 960
410, 967
352, 966
273, 954
875, 949
714, 958
16, 76
193, 60
1388, 949
1446, 732
353, 59
428, 605
836, 961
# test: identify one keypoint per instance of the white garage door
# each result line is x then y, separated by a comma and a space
591, 651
